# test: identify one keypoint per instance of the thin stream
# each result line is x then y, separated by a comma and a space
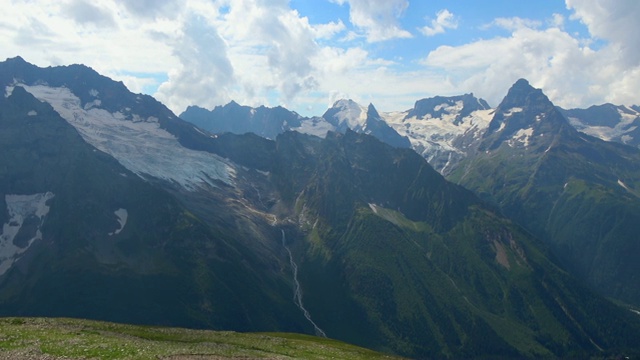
297, 294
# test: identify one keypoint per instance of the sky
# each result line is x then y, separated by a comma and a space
306, 54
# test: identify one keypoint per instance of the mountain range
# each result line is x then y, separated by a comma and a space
116, 209
608, 122
576, 192
459, 137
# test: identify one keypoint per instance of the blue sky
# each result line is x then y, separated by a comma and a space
305, 54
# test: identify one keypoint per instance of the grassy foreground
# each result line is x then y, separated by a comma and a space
47, 338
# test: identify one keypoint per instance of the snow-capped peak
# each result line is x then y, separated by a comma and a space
346, 113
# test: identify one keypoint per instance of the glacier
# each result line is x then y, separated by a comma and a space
429, 135
610, 133
139, 144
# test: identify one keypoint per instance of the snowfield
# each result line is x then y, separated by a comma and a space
21, 208
606, 133
122, 215
315, 126
522, 136
429, 135
140, 145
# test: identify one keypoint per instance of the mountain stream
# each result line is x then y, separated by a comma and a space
297, 294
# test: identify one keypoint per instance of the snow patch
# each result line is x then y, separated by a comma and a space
94, 92
316, 126
22, 208
512, 111
454, 109
522, 136
94, 103
623, 185
139, 144
373, 208
32, 113
122, 215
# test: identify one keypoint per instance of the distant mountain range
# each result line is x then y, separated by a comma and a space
608, 122
444, 130
114, 208
270, 122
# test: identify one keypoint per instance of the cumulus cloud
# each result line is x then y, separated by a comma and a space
378, 19
34, 32
151, 8
205, 72
274, 46
571, 74
444, 20
516, 23
84, 13
613, 20
329, 30
557, 20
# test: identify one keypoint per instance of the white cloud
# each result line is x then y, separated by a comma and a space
516, 23
329, 30
205, 72
378, 19
570, 73
273, 45
151, 9
85, 13
612, 20
207, 52
557, 20
444, 20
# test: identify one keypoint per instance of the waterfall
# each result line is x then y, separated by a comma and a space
297, 293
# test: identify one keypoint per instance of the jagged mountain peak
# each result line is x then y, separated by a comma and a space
523, 118
522, 83
349, 115
523, 94
233, 103
17, 59
372, 112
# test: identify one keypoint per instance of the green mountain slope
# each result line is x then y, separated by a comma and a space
395, 258
159, 264
576, 192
